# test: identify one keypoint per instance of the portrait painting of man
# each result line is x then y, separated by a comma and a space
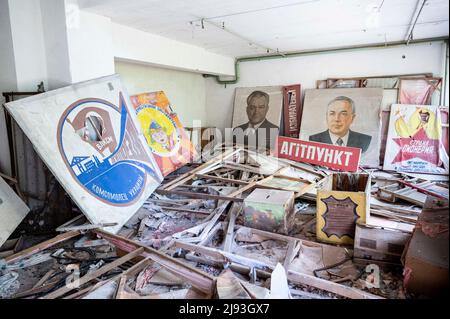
340, 116
256, 116
344, 117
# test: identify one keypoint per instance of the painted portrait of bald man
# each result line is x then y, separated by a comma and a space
349, 117
340, 115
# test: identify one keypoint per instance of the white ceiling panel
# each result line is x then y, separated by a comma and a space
239, 28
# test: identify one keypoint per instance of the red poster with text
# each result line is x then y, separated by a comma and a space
334, 157
292, 110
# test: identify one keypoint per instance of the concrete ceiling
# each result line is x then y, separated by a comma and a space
239, 28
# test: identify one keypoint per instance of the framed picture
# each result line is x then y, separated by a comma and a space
418, 91
344, 117
165, 135
257, 116
292, 107
414, 142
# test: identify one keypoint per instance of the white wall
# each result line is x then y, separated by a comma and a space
78, 44
8, 80
56, 45
135, 45
185, 90
89, 39
28, 44
419, 58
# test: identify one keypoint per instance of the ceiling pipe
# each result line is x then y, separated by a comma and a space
414, 18
320, 51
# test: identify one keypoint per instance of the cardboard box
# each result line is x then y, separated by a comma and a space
343, 201
426, 259
378, 244
270, 210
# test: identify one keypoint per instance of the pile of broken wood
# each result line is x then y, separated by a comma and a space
192, 239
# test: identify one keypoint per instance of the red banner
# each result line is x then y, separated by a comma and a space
292, 110
334, 157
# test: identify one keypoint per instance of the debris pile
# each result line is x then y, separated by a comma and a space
239, 224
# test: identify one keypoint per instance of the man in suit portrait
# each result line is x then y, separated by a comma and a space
258, 124
340, 116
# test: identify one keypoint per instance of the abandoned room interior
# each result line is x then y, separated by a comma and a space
216, 150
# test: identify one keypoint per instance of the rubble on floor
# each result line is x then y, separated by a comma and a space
194, 238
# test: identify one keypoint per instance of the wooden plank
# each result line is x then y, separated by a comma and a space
80, 219
241, 167
243, 189
36, 290
293, 276
42, 246
44, 278
222, 179
267, 234
349, 292
244, 270
199, 195
234, 212
290, 254
183, 210
229, 286
200, 280
223, 255
85, 290
188, 176
12, 211
207, 239
120, 294
206, 231
133, 270
84, 227
90, 276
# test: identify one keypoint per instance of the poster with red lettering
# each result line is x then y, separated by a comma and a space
414, 142
335, 157
291, 110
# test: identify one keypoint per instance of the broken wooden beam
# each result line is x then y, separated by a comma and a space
95, 274
234, 212
341, 290
198, 195
200, 280
42, 246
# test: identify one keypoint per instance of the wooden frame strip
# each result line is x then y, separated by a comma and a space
42, 246
349, 292
199, 279
90, 276
199, 195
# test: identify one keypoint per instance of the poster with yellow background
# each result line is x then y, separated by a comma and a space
163, 131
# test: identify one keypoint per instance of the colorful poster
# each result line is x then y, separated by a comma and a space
89, 137
414, 142
335, 157
165, 135
292, 110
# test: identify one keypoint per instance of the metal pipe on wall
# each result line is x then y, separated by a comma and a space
320, 51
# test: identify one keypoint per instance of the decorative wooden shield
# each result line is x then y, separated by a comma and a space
340, 217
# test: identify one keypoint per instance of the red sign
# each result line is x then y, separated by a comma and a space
292, 112
334, 157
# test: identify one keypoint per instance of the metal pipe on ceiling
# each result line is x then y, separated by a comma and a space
320, 51
414, 19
